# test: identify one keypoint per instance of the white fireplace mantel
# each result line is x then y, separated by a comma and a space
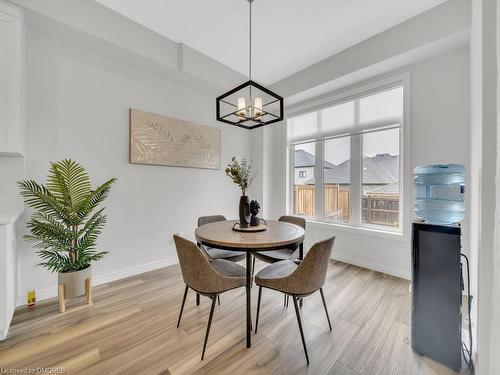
9, 268
10, 216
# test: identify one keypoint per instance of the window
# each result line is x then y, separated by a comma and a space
304, 159
346, 162
380, 191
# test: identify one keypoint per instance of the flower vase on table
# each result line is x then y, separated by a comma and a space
242, 175
244, 211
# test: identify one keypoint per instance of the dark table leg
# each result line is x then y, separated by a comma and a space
249, 315
197, 295
301, 256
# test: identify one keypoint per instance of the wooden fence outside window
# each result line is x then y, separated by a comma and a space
378, 208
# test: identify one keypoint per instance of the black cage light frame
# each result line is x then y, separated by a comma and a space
254, 117
255, 121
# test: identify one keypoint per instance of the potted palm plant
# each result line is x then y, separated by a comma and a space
66, 223
242, 175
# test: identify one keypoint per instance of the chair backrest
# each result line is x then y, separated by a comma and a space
310, 275
197, 271
210, 219
300, 221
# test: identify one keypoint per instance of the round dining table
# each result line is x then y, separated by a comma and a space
278, 235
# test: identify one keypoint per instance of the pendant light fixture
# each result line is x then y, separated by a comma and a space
249, 105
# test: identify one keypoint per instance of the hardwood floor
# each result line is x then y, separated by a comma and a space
131, 329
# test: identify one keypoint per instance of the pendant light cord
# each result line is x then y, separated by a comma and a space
250, 50
250, 42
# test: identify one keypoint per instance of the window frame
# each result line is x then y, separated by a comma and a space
355, 223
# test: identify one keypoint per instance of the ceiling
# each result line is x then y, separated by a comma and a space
288, 35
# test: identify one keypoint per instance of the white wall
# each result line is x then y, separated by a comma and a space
11, 170
485, 238
494, 366
434, 29
439, 131
77, 107
476, 153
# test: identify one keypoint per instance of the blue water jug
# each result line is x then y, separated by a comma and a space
439, 193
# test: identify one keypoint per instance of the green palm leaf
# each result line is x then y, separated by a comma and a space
94, 198
69, 182
40, 198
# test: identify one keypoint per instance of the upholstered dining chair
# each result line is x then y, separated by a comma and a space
283, 254
206, 277
214, 253
298, 280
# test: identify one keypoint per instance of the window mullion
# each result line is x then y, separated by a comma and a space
318, 175
356, 178
291, 177
356, 170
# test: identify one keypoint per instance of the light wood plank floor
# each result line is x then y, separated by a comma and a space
131, 329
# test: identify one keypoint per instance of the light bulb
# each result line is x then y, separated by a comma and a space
257, 108
241, 108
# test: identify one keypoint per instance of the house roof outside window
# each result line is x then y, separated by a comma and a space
304, 159
381, 169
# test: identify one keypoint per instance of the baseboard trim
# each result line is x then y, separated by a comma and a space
43, 294
398, 272
47, 293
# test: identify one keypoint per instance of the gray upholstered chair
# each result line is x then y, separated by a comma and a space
283, 254
298, 280
214, 253
205, 276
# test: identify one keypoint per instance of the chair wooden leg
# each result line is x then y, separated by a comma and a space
208, 325
88, 291
326, 310
182, 306
297, 312
197, 299
218, 299
253, 266
258, 309
284, 300
60, 294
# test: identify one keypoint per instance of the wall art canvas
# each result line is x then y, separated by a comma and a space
161, 140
